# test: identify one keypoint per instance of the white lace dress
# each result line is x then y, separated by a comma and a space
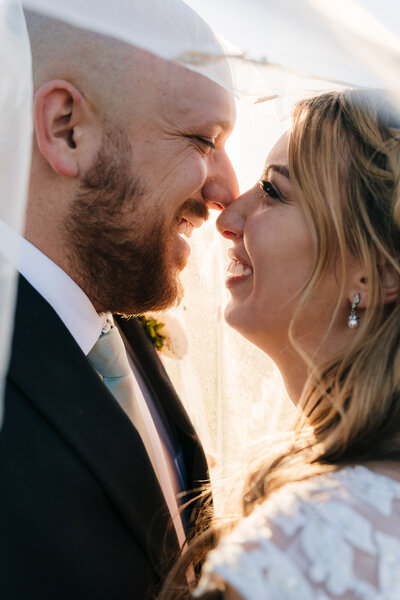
335, 536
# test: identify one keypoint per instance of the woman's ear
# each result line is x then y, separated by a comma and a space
58, 114
359, 285
390, 283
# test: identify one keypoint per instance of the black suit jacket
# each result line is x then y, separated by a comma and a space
82, 515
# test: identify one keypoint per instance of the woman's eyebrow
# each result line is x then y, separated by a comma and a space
279, 169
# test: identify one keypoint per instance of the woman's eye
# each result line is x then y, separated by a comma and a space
269, 189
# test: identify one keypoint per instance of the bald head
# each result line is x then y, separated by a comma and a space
110, 72
99, 66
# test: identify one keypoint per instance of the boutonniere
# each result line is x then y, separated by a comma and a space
166, 333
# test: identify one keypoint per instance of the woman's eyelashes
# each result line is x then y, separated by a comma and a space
270, 189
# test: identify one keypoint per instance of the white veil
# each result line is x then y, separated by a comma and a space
15, 151
278, 49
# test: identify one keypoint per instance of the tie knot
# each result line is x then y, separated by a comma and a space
108, 355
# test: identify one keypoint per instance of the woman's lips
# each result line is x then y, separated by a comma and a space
238, 269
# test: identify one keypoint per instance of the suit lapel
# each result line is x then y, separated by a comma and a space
147, 361
163, 393
48, 366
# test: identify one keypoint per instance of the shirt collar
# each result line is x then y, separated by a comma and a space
66, 298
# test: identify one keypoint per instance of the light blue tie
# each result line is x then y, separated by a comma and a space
108, 357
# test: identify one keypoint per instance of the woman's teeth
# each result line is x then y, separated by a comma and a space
185, 228
238, 269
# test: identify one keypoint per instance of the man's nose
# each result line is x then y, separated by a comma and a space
221, 186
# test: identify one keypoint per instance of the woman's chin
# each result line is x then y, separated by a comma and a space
238, 318
243, 319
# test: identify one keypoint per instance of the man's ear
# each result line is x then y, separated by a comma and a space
390, 283
57, 115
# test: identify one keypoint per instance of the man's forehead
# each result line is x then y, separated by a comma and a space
194, 94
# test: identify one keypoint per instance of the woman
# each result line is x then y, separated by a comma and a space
315, 283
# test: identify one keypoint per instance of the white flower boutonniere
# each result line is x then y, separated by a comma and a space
166, 334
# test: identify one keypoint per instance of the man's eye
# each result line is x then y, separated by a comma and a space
208, 142
269, 189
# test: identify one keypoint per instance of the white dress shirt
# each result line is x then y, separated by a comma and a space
85, 325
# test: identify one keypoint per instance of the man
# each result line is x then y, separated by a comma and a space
128, 153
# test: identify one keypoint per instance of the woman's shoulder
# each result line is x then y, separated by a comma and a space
330, 535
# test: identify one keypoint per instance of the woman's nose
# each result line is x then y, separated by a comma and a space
232, 220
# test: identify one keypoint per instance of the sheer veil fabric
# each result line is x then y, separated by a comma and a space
15, 152
269, 53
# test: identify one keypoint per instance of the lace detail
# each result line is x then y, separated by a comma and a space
335, 536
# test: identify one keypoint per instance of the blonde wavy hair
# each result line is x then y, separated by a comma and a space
344, 163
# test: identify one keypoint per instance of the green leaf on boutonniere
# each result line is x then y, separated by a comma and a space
165, 333
152, 327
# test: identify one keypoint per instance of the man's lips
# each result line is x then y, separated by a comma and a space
187, 223
192, 215
185, 228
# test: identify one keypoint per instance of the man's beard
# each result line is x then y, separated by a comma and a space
120, 250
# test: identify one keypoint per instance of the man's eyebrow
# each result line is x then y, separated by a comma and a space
225, 124
279, 169
225, 127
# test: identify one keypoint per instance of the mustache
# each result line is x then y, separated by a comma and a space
197, 208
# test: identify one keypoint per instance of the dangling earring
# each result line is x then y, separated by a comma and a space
354, 320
